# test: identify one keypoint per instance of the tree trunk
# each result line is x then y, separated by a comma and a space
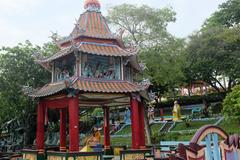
147, 126
29, 130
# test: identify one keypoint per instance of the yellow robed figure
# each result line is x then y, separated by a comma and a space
92, 141
176, 111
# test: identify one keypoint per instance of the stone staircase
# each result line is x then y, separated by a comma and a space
167, 126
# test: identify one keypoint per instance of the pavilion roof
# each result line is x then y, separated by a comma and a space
90, 35
90, 24
89, 85
93, 24
92, 48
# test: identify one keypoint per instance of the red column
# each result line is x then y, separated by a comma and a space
46, 116
132, 124
162, 114
40, 127
106, 129
135, 123
63, 130
73, 124
141, 125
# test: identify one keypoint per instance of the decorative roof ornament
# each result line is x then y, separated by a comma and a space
92, 5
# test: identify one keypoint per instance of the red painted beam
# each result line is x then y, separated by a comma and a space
57, 103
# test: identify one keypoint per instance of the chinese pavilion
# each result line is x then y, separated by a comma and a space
92, 69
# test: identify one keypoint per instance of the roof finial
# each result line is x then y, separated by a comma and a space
92, 5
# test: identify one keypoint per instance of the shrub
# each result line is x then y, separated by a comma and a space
231, 104
216, 108
98, 112
171, 136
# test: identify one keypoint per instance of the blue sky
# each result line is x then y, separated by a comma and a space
34, 20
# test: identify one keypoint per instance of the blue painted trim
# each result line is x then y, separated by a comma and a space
216, 148
208, 151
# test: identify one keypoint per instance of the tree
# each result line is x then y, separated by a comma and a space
17, 69
228, 15
144, 26
214, 53
231, 104
165, 65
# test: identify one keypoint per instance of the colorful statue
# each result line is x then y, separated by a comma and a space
127, 116
176, 111
151, 113
92, 141
87, 71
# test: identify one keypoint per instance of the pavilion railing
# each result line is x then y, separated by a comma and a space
51, 155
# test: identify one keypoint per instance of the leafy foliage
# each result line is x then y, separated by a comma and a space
214, 53
144, 26
231, 104
165, 64
228, 15
18, 69
97, 112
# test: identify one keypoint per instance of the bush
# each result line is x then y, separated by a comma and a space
216, 108
171, 136
98, 112
231, 104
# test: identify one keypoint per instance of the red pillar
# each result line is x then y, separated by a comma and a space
135, 123
161, 114
106, 129
46, 116
141, 125
40, 127
63, 130
132, 124
73, 124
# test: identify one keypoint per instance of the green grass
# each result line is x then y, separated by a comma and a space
119, 140
193, 125
156, 127
184, 112
125, 131
185, 137
230, 126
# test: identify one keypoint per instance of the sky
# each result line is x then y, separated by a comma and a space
34, 20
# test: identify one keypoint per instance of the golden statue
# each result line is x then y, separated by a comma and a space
176, 111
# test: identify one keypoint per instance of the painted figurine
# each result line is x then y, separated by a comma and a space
176, 111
